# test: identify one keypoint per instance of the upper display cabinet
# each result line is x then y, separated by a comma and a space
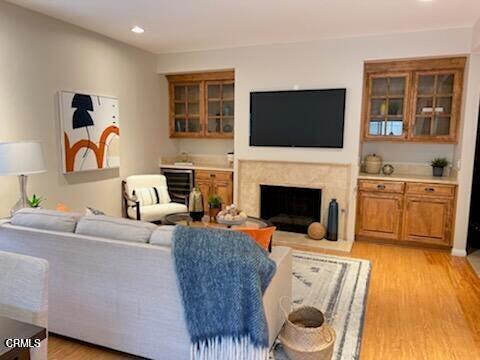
202, 104
413, 100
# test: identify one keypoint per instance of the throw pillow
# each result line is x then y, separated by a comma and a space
92, 211
62, 207
147, 196
164, 195
261, 236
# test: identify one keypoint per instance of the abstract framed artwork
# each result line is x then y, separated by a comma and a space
90, 132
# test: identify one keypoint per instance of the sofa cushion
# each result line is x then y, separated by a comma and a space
162, 235
115, 228
157, 212
46, 219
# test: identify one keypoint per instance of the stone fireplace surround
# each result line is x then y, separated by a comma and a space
333, 179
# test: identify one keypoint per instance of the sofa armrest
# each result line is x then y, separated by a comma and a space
280, 287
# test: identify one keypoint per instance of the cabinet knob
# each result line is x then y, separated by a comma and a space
429, 189
381, 187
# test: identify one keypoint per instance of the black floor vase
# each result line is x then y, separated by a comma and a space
332, 228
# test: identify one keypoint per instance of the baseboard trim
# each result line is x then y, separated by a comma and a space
412, 244
459, 252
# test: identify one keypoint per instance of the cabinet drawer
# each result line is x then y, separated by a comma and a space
222, 175
430, 189
202, 174
381, 186
213, 175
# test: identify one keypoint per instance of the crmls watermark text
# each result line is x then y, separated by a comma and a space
22, 343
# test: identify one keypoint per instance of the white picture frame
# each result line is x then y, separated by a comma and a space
90, 131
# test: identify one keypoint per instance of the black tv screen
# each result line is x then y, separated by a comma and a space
298, 118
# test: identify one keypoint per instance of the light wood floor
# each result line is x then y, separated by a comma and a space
422, 304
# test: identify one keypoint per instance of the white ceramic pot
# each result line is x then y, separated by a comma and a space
373, 164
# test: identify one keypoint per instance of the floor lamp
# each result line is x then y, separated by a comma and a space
21, 158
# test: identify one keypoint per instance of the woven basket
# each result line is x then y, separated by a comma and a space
305, 336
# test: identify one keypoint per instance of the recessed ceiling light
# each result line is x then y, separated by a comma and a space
138, 30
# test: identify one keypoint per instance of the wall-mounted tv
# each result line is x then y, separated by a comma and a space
297, 118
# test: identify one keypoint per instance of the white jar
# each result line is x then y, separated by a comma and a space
373, 164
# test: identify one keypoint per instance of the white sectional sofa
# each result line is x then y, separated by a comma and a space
122, 294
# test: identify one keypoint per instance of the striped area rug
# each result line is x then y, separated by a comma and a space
338, 286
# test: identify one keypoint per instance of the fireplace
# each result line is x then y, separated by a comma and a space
290, 208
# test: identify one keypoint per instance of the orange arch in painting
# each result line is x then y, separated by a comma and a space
71, 152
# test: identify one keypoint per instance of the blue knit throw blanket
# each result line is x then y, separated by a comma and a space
222, 276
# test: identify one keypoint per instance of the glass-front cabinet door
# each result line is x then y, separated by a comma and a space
186, 109
387, 106
220, 108
436, 105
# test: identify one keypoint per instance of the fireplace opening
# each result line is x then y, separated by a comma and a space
290, 208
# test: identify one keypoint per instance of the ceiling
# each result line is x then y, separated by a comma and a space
186, 25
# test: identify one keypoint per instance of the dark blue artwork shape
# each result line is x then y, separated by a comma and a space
81, 117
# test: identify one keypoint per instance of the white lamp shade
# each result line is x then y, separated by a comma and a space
21, 158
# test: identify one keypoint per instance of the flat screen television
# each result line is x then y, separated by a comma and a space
297, 118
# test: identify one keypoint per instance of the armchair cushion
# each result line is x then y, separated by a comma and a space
157, 212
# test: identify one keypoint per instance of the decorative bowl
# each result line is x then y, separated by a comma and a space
222, 220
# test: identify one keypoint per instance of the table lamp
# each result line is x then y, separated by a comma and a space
21, 158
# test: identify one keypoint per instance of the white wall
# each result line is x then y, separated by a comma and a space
466, 152
319, 64
40, 56
408, 152
205, 146
476, 36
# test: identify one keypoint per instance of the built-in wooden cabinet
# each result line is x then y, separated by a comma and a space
413, 100
428, 219
410, 212
202, 105
215, 182
380, 214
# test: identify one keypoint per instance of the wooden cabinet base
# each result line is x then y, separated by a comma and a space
215, 183
418, 214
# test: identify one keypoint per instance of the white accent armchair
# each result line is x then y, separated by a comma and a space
24, 293
168, 202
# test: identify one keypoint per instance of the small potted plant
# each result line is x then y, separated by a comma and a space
34, 201
215, 204
438, 164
